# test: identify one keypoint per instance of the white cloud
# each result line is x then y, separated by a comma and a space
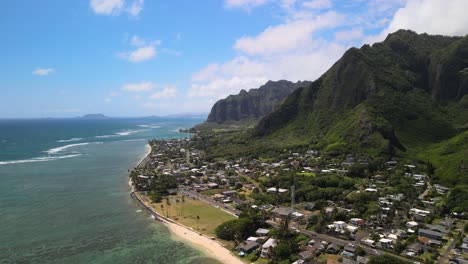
115, 7
288, 36
145, 51
428, 16
166, 93
291, 50
136, 7
220, 80
317, 4
107, 7
142, 54
138, 87
246, 4
349, 35
43, 71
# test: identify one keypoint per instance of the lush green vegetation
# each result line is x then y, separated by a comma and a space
252, 105
405, 97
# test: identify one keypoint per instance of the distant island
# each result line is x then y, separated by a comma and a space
94, 117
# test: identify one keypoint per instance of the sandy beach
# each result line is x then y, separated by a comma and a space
211, 248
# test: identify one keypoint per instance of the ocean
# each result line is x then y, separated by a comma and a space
64, 194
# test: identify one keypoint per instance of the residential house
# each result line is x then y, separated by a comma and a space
282, 212
430, 234
248, 247
267, 248
262, 232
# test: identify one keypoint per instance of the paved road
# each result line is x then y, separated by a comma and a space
444, 257
211, 202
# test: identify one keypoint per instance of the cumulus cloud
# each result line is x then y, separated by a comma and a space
246, 4
166, 93
43, 71
290, 50
317, 4
144, 51
115, 7
136, 7
138, 87
288, 36
107, 7
428, 16
349, 35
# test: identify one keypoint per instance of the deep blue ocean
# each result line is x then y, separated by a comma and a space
64, 194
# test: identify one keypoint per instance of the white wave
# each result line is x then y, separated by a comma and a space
62, 148
121, 134
39, 159
131, 140
106, 136
150, 126
69, 140
127, 133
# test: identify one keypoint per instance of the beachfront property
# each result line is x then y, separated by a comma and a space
235, 185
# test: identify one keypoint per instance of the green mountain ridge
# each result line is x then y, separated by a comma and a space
406, 96
254, 104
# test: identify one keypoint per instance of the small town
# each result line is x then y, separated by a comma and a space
301, 207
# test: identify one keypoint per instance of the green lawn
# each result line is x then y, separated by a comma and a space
186, 214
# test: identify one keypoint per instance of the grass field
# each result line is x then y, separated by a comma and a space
186, 214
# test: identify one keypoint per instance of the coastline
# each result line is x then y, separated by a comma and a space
209, 247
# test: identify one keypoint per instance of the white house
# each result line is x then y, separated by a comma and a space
267, 247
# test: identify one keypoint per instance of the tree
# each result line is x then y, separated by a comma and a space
168, 203
198, 220
177, 204
182, 208
282, 251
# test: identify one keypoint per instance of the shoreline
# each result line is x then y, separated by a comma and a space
209, 247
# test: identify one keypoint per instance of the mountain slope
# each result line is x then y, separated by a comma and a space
253, 104
401, 95
406, 96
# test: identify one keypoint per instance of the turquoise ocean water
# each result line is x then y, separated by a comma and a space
64, 194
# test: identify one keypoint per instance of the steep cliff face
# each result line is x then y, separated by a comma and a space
406, 79
253, 104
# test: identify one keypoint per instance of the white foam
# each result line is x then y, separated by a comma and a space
106, 136
69, 140
39, 159
132, 140
127, 133
62, 148
150, 126
120, 134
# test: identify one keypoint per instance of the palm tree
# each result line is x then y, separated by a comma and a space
177, 203
182, 209
168, 203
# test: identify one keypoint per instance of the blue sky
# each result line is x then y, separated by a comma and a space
137, 58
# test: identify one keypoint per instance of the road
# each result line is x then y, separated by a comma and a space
444, 257
211, 202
